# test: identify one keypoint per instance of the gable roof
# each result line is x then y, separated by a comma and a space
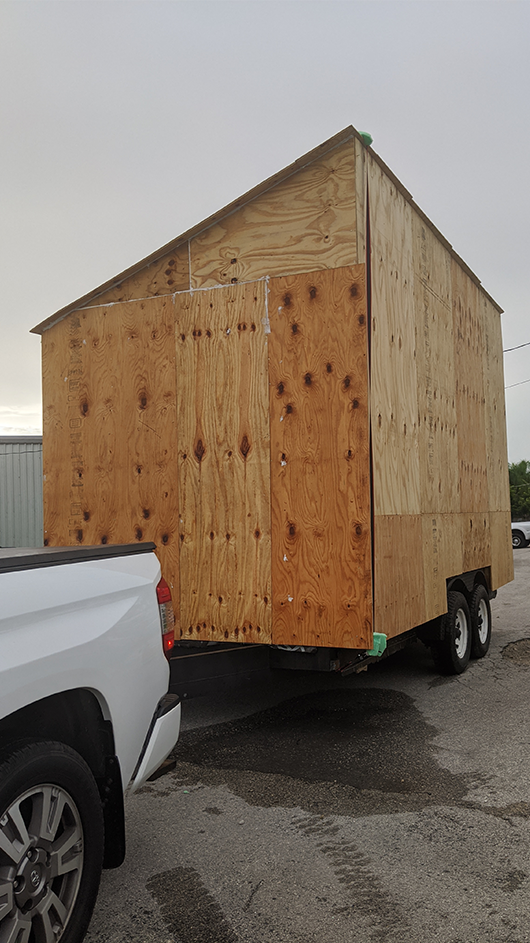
348, 133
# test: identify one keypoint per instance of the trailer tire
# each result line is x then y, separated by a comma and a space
51, 826
452, 653
518, 540
480, 610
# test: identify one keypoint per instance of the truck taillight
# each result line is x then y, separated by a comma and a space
167, 616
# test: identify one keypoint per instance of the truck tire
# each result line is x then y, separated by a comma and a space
51, 843
518, 539
480, 611
451, 654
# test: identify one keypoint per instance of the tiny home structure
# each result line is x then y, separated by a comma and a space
300, 401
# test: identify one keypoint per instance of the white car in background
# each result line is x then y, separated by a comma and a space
520, 534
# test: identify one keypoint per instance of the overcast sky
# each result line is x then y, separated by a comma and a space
125, 123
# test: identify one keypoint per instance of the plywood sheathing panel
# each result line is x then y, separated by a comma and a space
163, 277
224, 464
398, 575
395, 433
501, 538
320, 492
435, 365
493, 380
305, 222
468, 336
110, 438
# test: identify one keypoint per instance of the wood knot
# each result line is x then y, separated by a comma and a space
86, 515
308, 379
165, 538
199, 451
212, 535
355, 404
358, 530
292, 529
146, 513
139, 533
346, 382
143, 401
354, 290
294, 327
287, 300
244, 448
289, 409
233, 261
361, 319
280, 388
79, 536
104, 539
329, 368
84, 408
312, 292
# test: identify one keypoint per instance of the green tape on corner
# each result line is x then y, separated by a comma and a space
379, 644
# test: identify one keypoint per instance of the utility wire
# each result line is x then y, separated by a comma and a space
516, 384
508, 349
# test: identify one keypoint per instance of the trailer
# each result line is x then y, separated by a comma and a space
301, 402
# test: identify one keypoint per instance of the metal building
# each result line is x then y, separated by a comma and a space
21, 491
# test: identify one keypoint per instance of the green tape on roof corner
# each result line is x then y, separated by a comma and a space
379, 644
366, 138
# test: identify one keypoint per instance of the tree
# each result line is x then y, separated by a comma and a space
520, 490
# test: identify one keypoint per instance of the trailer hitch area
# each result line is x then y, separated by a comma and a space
365, 658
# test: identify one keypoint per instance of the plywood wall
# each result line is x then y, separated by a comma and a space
306, 222
224, 464
320, 485
438, 429
109, 442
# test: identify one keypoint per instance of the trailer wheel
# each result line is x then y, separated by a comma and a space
518, 540
51, 843
452, 653
480, 610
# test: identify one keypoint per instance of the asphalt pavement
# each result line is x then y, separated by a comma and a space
387, 807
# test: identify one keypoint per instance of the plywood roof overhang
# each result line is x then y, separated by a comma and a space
347, 134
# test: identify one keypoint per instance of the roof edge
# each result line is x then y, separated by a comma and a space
346, 134
329, 145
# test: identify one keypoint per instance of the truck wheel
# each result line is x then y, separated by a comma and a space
51, 843
480, 610
518, 539
451, 654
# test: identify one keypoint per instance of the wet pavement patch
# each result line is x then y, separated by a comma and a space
371, 749
189, 910
518, 652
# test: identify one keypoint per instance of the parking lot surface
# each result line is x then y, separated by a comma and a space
391, 806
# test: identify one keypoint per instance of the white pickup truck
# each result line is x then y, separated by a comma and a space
520, 534
85, 716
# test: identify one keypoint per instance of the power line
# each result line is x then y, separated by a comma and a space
508, 349
516, 384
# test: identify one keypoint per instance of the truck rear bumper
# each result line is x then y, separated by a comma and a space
161, 737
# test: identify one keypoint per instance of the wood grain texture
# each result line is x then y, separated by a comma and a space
398, 573
495, 413
224, 464
320, 497
166, 275
114, 415
437, 414
442, 558
394, 391
501, 538
304, 223
468, 335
